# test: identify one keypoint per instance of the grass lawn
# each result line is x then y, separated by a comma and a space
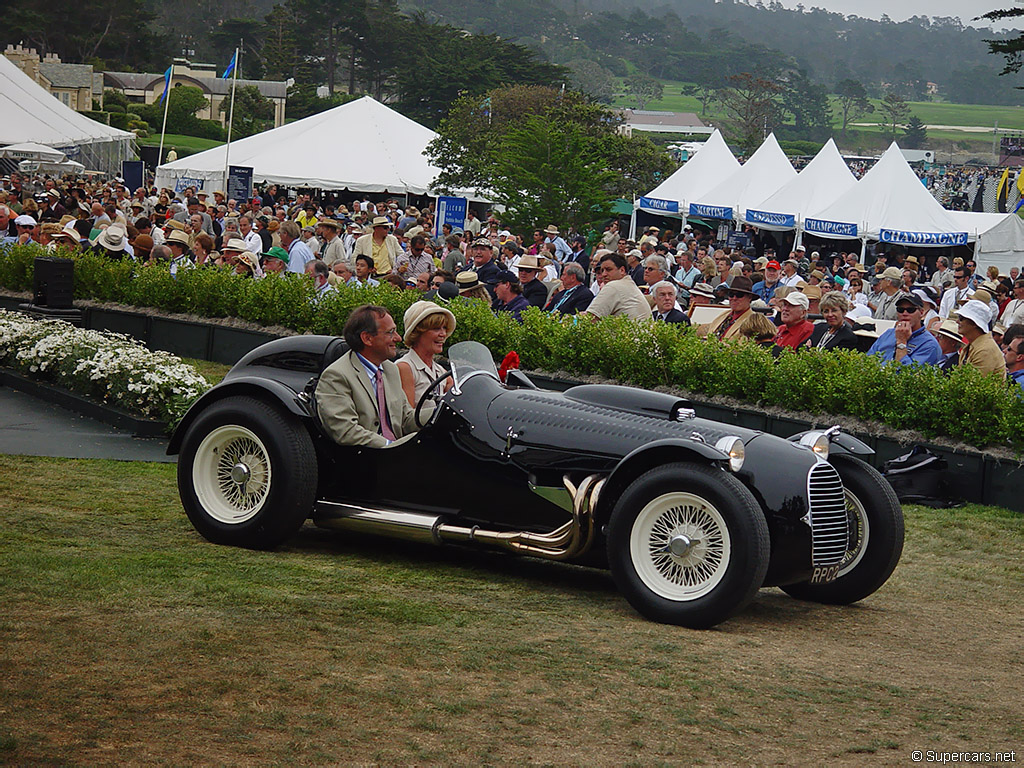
127, 639
209, 370
193, 143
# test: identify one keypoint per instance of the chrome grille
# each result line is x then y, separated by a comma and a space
829, 528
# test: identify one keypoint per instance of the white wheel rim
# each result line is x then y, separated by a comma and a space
231, 474
680, 546
857, 520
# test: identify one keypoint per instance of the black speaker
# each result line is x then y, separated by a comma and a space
54, 283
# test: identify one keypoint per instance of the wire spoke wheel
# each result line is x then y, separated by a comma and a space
232, 474
860, 533
680, 545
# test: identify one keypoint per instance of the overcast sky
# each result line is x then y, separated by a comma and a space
904, 9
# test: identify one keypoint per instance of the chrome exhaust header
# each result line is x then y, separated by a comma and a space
567, 541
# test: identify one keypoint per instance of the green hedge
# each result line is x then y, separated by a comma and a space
981, 410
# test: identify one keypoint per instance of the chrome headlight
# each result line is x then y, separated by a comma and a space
818, 442
733, 447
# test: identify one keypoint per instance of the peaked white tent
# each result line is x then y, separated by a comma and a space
713, 163
29, 114
361, 146
762, 175
998, 238
818, 185
889, 204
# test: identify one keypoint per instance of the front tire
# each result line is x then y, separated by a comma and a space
875, 520
688, 545
247, 474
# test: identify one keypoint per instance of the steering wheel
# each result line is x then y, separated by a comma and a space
423, 398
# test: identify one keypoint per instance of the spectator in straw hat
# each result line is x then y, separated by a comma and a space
950, 342
380, 245
427, 326
181, 252
562, 250
333, 249
68, 237
980, 349
739, 321
112, 242
470, 287
534, 290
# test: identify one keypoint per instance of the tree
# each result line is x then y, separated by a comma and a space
895, 111
253, 112
591, 78
473, 141
184, 102
643, 88
808, 103
853, 101
915, 134
439, 63
1012, 48
550, 170
752, 108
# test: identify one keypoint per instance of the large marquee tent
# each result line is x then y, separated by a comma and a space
891, 205
361, 146
672, 197
821, 182
29, 114
761, 176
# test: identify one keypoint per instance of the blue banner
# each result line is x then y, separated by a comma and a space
239, 182
185, 182
785, 220
657, 205
132, 173
451, 211
831, 228
922, 238
711, 211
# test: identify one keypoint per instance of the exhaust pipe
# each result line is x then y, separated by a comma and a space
567, 541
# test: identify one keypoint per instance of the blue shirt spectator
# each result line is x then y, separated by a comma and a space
921, 347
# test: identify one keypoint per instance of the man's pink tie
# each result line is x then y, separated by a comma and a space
382, 408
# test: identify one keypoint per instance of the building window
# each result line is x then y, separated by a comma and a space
65, 98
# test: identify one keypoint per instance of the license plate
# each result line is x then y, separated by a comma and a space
822, 574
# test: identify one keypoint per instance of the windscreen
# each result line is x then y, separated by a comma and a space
469, 357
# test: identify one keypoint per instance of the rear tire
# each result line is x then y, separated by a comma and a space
688, 545
875, 520
247, 473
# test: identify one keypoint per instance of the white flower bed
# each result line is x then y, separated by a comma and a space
107, 366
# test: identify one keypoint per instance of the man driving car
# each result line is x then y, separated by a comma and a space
359, 397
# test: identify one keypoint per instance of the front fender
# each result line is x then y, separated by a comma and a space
647, 457
841, 443
252, 386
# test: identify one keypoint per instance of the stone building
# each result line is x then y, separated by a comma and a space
147, 87
76, 85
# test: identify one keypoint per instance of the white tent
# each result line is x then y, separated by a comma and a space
818, 185
762, 175
999, 239
708, 167
29, 150
30, 114
889, 204
361, 146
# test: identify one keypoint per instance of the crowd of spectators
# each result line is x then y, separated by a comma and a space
944, 315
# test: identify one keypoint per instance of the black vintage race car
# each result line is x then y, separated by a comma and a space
691, 516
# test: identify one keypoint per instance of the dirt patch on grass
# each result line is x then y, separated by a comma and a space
126, 638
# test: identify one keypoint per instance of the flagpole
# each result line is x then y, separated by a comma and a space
163, 128
231, 118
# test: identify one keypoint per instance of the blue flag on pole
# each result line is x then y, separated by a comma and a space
167, 84
231, 66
